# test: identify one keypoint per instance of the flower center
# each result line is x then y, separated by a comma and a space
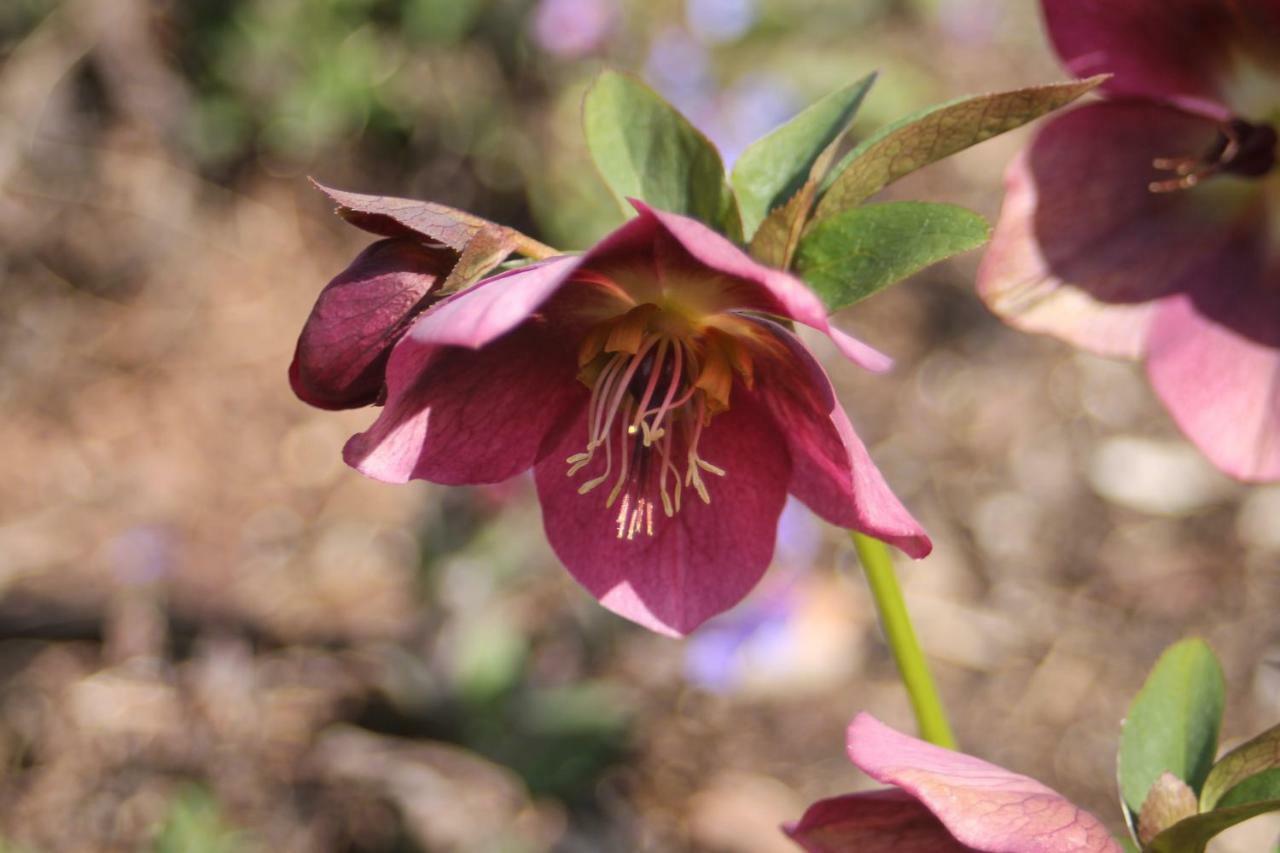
1240, 148
655, 384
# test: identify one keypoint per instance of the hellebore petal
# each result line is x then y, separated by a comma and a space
1083, 249
358, 317
1214, 360
1181, 53
455, 415
886, 821
698, 563
495, 306
982, 805
775, 291
831, 471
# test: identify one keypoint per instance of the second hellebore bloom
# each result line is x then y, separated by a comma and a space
663, 403
942, 802
1148, 225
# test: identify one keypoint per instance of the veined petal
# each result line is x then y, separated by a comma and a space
887, 821
831, 471
1180, 53
358, 317
1083, 247
768, 290
981, 805
699, 562
455, 415
1214, 361
493, 307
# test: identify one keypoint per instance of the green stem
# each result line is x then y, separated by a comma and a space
930, 716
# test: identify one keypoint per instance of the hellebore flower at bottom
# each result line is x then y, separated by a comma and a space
942, 802
1147, 225
663, 403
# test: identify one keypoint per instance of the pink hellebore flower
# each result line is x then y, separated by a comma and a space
358, 317
665, 406
942, 802
1148, 225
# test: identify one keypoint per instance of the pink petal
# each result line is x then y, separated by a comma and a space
982, 805
498, 304
770, 290
358, 317
696, 564
455, 415
494, 306
1181, 52
888, 821
1083, 249
1215, 362
831, 470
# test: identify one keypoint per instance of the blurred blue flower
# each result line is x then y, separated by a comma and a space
679, 67
753, 106
573, 28
760, 632
720, 20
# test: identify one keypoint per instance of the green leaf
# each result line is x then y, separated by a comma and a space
645, 149
852, 255
1192, 834
774, 168
1257, 788
1173, 722
1249, 759
937, 132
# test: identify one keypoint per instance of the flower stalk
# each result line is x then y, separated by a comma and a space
901, 636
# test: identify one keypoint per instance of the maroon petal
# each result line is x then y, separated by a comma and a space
358, 317
982, 805
455, 415
831, 471
889, 821
761, 288
1083, 247
696, 564
1181, 52
1215, 362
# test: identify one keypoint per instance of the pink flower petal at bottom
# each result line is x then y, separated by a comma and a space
1215, 363
696, 564
460, 416
832, 473
888, 821
982, 805
1083, 249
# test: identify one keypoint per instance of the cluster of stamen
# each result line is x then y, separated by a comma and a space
1240, 148
645, 407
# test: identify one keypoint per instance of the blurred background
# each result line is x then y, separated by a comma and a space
214, 636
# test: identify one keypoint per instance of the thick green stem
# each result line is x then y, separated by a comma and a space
930, 716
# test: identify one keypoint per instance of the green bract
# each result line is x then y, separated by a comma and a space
786, 201
852, 255
645, 149
934, 133
1175, 797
